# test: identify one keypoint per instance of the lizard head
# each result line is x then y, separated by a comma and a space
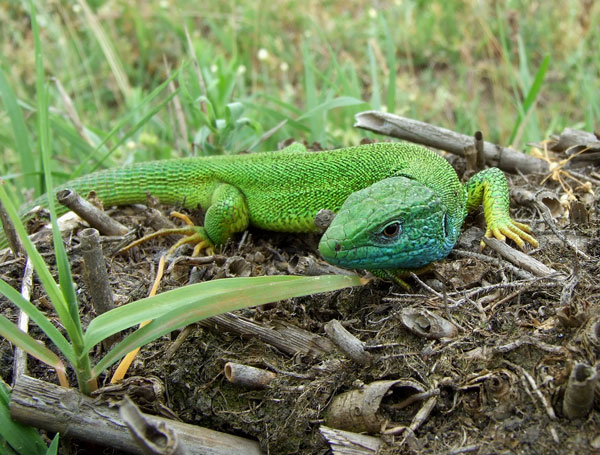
395, 223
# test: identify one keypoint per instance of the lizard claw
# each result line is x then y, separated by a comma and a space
517, 232
197, 235
193, 234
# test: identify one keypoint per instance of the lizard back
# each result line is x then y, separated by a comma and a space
283, 190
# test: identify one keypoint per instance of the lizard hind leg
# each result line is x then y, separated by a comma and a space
226, 215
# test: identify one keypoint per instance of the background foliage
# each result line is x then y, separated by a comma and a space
248, 65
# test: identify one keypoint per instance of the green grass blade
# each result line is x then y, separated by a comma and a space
331, 53
71, 136
23, 439
390, 55
108, 50
54, 293
73, 324
143, 120
131, 114
291, 108
21, 134
524, 74
375, 91
240, 294
341, 101
316, 122
532, 94
53, 448
26, 342
126, 316
537, 84
277, 115
39, 318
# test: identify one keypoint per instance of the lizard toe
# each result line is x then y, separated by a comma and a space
517, 232
203, 245
194, 235
499, 234
183, 217
523, 231
522, 226
511, 233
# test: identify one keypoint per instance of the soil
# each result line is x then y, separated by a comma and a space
497, 383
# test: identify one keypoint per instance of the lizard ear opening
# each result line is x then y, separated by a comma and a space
445, 224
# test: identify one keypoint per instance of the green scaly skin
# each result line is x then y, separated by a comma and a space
370, 187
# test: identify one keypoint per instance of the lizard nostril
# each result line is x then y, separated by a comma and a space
337, 247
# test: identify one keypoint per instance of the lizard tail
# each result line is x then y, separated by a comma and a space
168, 181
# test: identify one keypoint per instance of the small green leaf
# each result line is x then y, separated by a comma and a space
341, 101
39, 318
233, 112
12, 333
53, 448
21, 133
532, 94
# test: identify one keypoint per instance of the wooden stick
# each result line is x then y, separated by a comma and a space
285, 337
444, 139
247, 376
95, 275
519, 258
345, 442
575, 140
579, 394
20, 358
347, 343
153, 439
93, 215
67, 411
11, 234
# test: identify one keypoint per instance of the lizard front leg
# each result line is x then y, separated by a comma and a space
226, 215
489, 187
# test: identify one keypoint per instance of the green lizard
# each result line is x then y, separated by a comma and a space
399, 206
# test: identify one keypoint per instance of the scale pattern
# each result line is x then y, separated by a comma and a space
284, 190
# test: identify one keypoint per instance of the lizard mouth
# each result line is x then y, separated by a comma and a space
376, 256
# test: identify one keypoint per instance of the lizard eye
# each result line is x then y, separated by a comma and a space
391, 230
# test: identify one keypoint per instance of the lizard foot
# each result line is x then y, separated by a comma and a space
507, 227
193, 234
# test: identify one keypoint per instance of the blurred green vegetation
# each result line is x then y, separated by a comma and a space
240, 68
